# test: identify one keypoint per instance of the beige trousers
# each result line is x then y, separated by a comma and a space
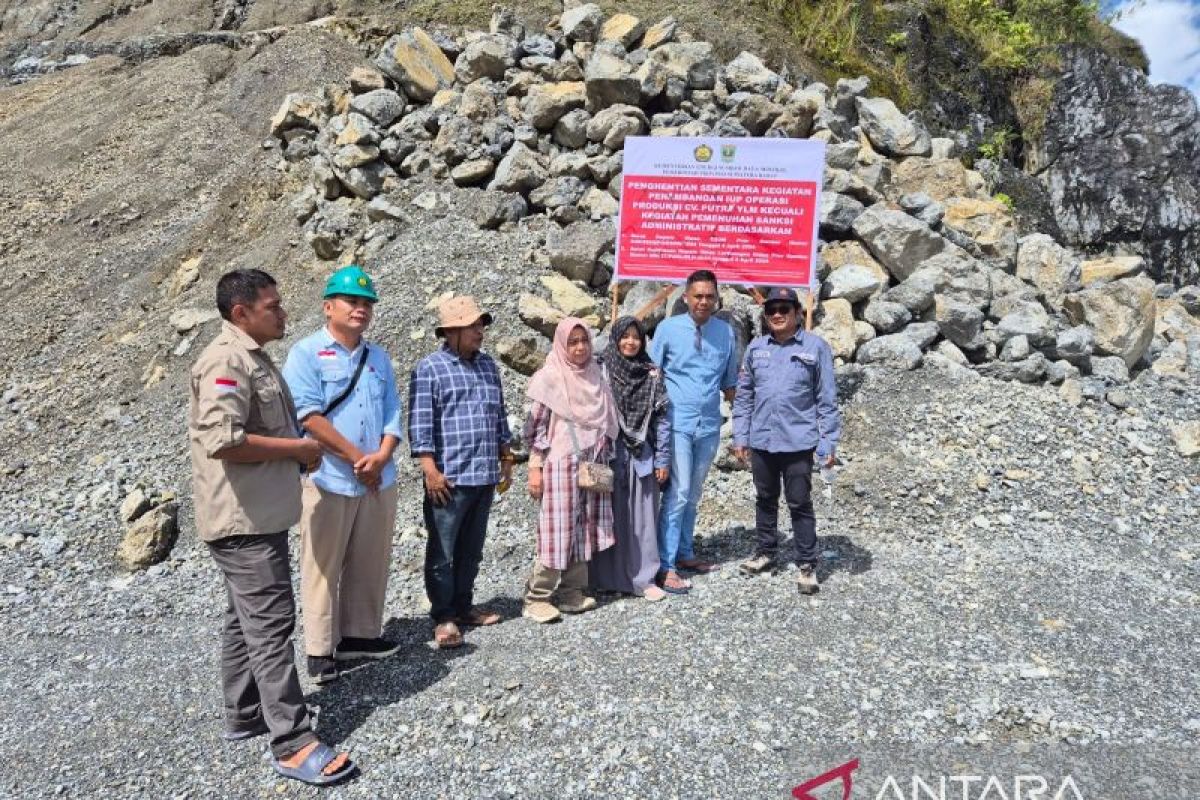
569, 582
345, 552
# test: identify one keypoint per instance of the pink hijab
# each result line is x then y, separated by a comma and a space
575, 393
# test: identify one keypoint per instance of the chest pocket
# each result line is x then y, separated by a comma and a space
802, 369
268, 401
375, 385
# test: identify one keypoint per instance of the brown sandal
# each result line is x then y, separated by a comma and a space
478, 617
447, 636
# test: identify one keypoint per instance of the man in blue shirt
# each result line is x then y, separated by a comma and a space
785, 410
346, 399
458, 430
696, 354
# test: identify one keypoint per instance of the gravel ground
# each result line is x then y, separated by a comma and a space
1046, 621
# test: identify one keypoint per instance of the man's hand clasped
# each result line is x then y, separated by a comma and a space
308, 454
438, 487
369, 469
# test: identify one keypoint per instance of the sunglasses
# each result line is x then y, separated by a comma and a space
784, 309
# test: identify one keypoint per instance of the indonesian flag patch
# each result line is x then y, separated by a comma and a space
327, 354
226, 386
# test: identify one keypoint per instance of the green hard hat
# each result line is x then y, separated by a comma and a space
351, 280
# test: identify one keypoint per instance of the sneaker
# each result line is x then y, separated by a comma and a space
806, 579
541, 611
351, 648
322, 669
760, 563
577, 606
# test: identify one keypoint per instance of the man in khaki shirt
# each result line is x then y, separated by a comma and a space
246, 463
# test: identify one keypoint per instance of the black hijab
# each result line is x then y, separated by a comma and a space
637, 383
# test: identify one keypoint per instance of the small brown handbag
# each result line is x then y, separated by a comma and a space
592, 476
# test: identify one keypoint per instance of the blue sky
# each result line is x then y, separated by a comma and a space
1169, 30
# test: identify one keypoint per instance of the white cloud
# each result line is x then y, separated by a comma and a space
1170, 32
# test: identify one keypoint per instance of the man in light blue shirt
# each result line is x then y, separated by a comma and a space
696, 354
346, 399
785, 411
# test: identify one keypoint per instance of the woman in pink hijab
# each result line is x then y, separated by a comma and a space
569, 395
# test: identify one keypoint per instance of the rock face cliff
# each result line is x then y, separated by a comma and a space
1122, 164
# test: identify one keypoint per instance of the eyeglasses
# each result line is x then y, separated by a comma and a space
771, 309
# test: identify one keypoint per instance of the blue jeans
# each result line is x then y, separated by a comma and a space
691, 456
454, 549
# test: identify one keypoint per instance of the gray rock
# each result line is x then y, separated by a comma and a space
354, 155
571, 130
852, 282
472, 173
949, 350
486, 57
692, 63
1029, 320
519, 171
413, 60
842, 155
1189, 298
890, 131
754, 112
838, 212
491, 209
611, 125
575, 249
184, 320
381, 208
610, 81
1053, 269
896, 351
1015, 349
1110, 369
134, 505
557, 192
582, 23
961, 277
546, 103
1121, 313
368, 180
917, 291
382, 106
150, 538
525, 354
1058, 372
747, 73
846, 93
922, 333
1075, 345
960, 323
1028, 370
660, 33
539, 44
605, 168
885, 316
901, 243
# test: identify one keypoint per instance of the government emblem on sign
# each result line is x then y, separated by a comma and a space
728, 151
703, 153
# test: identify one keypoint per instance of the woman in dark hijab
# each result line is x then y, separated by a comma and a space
643, 455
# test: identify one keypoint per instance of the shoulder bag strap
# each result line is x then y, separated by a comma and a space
337, 401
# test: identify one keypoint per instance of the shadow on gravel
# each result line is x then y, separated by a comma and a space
838, 553
369, 685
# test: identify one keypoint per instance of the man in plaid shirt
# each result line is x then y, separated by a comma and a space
458, 430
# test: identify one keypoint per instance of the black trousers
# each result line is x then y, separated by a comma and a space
257, 669
794, 471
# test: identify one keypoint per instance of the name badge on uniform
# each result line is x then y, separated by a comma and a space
807, 359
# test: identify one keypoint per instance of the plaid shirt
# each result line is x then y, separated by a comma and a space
457, 413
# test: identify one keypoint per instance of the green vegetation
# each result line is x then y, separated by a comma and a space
1001, 197
1016, 34
997, 146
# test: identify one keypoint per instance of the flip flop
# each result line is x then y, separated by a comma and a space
447, 639
310, 770
480, 617
698, 567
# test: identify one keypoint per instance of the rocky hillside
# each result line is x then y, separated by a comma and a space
1019, 346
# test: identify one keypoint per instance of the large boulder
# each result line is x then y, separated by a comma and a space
900, 242
1053, 269
693, 63
624, 28
298, 110
837, 327
896, 351
940, 179
582, 23
852, 283
1121, 313
525, 354
747, 73
519, 171
611, 126
988, 223
382, 106
575, 249
418, 66
1109, 268
890, 131
1029, 320
610, 80
660, 33
485, 57
150, 537
837, 214
546, 103
960, 323
1136, 184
